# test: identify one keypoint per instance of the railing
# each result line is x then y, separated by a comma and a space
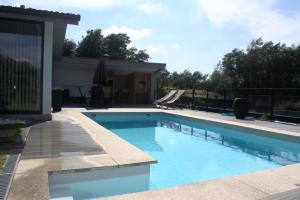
271, 102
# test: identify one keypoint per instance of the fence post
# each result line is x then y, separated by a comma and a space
193, 99
224, 100
206, 99
271, 105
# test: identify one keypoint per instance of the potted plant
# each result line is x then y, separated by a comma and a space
240, 107
57, 99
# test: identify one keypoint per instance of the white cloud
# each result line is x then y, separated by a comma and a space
90, 4
81, 4
149, 8
134, 34
257, 17
159, 49
175, 46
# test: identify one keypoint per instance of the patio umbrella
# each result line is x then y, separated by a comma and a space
99, 77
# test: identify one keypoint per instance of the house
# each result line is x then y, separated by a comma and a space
130, 82
31, 63
30, 42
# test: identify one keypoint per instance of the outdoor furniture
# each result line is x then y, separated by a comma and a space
67, 99
165, 98
171, 102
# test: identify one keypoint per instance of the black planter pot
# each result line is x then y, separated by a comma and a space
240, 107
57, 99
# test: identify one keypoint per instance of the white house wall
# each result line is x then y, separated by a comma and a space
71, 77
47, 68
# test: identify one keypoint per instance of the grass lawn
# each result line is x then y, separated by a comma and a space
10, 134
3, 159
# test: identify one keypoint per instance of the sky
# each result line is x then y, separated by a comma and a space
184, 34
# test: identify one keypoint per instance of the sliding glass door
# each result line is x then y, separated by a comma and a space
21, 50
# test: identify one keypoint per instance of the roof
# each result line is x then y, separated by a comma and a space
113, 65
40, 13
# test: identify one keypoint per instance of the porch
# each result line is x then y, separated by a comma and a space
127, 82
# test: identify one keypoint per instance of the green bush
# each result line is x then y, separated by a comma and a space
3, 159
263, 117
292, 105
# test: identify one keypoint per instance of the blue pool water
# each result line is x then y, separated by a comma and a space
191, 151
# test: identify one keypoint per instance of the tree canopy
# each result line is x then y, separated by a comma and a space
261, 65
183, 80
133, 54
69, 47
94, 44
91, 44
115, 45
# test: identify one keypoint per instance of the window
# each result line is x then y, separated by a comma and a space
21, 47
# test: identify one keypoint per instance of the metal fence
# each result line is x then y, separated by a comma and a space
271, 102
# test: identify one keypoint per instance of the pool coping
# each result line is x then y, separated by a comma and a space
34, 172
281, 134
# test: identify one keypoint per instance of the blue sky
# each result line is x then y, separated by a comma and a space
185, 34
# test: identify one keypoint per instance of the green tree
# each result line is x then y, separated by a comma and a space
163, 79
91, 44
115, 45
262, 65
69, 47
198, 80
187, 79
216, 79
183, 80
133, 54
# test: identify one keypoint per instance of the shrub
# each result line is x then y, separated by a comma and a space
293, 105
263, 117
3, 159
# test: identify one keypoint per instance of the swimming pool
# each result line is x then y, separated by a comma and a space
190, 150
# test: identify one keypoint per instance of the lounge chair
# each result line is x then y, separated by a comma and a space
165, 98
171, 102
